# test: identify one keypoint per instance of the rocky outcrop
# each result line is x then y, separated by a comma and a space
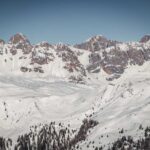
24, 69
145, 39
41, 54
94, 63
71, 60
96, 43
13, 50
116, 60
18, 38
21, 42
114, 57
38, 69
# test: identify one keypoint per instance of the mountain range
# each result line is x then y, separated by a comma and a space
77, 63
83, 96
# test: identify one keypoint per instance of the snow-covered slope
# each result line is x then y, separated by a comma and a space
34, 89
123, 103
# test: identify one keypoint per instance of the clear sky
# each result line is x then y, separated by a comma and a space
74, 21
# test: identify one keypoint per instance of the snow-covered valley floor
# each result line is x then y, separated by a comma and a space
122, 103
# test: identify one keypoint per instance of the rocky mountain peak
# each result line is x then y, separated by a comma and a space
18, 38
145, 39
20, 41
96, 43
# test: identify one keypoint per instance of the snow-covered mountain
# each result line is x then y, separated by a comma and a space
77, 63
34, 89
18, 56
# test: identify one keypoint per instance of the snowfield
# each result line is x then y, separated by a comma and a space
121, 103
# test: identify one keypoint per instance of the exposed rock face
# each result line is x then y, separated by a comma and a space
13, 50
45, 45
24, 69
21, 42
18, 38
42, 54
114, 61
145, 39
38, 69
136, 56
71, 60
94, 60
114, 57
146, 54
96, 43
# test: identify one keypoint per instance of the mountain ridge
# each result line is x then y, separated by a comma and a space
100, 53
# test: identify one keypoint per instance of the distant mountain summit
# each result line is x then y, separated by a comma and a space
96, 43
20, 41
18, 38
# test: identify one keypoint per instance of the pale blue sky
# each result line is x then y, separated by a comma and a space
74, 21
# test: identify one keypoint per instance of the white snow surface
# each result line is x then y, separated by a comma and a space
122, 103
28, 99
